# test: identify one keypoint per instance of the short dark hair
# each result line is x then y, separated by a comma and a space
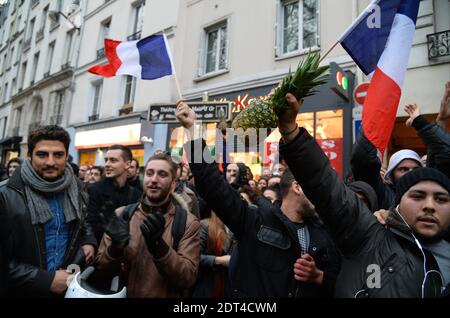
99, 168
16, 160
164, 157
137, 162
275, 189
286, 181
50, 132
126, 152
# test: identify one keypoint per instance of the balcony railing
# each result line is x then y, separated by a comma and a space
65, 66
27, 44
54, 24
135, 36
46, 74
126, 110
16, 131
93, 118
438, 44
40, 34
34, 3
33, 126
56, 120
100, 53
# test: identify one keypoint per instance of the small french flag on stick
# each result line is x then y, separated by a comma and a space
146, 59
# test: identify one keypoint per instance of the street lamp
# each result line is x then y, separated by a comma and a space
53, 16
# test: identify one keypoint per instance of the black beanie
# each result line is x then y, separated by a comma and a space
417, 175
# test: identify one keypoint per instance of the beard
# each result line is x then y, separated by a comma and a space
433, 239
159, 196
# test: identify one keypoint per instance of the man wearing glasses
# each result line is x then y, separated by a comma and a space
409, 257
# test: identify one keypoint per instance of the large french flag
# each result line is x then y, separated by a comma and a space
379, 42
147, 59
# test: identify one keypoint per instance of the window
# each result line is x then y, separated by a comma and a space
18, 117
130, 89
31, 29
44, 18
3, 122
104, 32
22, 75
35, 66
51, 50
68, 49
5, 93
297, 26
13, 86
96, 101
137, 17
216, 48
5, 61
11, 57
19, 51
59, 108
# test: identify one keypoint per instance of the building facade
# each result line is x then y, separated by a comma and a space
239, 50
107, 111
40, 60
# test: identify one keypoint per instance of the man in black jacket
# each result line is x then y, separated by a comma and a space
133, 175
4, 257
272, 241
113, 191
45, 205
409, 257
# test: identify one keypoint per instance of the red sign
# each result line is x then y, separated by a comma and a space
361, 93
333, 149
272, 156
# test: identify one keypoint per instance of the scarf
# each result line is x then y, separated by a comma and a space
36, 190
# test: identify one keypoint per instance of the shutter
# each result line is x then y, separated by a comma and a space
278, 28
201, 55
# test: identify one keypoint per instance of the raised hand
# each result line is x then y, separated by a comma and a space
413, 111
444, 112
185, 114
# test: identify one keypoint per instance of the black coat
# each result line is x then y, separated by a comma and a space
28, 275
267, 247
437, 141
104, 199
366, 167
5, 228
363, 241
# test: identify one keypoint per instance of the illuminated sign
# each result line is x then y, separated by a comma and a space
128, 135
339, 81
212, 112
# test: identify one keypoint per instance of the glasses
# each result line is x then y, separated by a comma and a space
432, 285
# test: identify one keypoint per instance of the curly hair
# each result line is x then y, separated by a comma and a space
50, 132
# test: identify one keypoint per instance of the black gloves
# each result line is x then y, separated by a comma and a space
119, 231
152, 229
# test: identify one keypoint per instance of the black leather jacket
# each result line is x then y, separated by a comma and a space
28, 276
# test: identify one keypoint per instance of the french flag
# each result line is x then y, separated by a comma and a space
147, 59
379, 42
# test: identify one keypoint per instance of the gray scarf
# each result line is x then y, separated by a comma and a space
37, 188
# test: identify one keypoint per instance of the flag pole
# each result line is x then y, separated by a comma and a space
329, 51
177, 82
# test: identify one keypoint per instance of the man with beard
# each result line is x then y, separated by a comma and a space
409, 257
113, 191
45, 205
279, 253
140, 238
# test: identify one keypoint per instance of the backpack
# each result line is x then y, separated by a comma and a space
178, 226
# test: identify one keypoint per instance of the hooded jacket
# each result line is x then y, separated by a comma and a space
368, 192
368, 247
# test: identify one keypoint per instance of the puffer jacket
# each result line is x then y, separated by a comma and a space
147, 277
364, 242
267, 245
28, 275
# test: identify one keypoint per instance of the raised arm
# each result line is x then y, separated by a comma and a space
349, 220
210, 184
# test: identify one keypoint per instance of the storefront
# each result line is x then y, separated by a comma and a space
92, 140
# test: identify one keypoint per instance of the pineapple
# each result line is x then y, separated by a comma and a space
265, 113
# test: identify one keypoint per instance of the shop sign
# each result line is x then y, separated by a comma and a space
128, 135
212, 112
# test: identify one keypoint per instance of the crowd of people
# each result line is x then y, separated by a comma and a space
186, 229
